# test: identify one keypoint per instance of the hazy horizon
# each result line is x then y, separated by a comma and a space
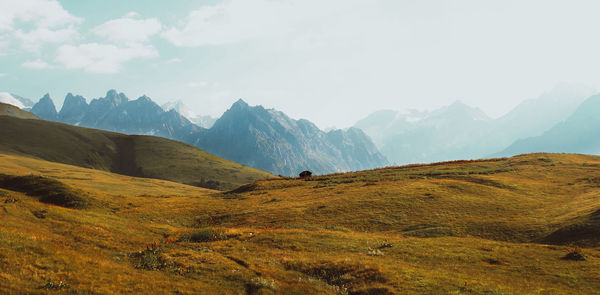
332, 62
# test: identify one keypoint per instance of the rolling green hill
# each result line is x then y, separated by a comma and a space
143, 156
501, 226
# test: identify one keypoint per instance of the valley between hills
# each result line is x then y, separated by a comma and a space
528, 224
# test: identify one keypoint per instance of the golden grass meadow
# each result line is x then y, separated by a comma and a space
501, 226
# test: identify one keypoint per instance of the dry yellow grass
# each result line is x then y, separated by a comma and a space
480, 227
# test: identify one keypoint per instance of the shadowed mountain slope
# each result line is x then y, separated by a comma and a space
145, 156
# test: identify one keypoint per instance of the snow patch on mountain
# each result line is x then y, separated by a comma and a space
182, 109
7, 98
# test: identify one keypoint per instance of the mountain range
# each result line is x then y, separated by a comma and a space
264, 139
459, 131
268, 139
579, 133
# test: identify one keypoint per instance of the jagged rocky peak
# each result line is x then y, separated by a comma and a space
240, 104
45, 108
73, 100
117, 98
240, 113
73, 109
144, 97
270, 140
142, 106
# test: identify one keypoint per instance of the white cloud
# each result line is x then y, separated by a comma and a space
33, 40
129, 29
42, 13
230, 22
49, 22
2, 75
234, 21
36, 64
102, 58
194, 84
173, 60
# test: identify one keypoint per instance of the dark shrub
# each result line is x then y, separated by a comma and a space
208, 234
151, 258
48, 190
210, 184
575, 254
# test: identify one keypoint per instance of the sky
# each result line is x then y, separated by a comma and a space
329, 61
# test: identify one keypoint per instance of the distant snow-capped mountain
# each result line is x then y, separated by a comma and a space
181, 108
7, 98
459, 131
16, 100
425, 136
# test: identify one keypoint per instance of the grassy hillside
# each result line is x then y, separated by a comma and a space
529, 198
12, 111
143, 156
477, 227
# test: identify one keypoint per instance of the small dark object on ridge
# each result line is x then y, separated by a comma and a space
305, 174
10, 199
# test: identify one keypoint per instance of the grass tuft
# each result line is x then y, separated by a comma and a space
208, 234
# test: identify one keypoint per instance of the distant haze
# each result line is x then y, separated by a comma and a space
332, 62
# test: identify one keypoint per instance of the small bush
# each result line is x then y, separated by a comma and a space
209, 234
55, 285
374, 252
575, 254
210, 184
151, 258
339, 274
40, 213
259, 283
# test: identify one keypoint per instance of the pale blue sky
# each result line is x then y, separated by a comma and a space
332, 62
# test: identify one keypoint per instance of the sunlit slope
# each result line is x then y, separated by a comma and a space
552, 198
144, 156
268, 238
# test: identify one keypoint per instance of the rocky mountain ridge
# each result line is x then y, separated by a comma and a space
252, 136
